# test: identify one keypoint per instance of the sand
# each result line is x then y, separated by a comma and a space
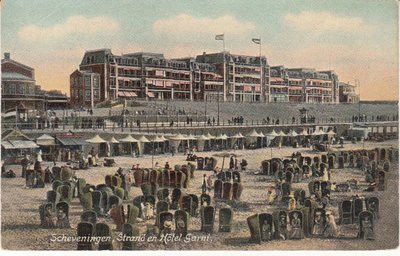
20, 215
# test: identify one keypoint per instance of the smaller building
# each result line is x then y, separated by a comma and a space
84, 88
15, 145
347, 93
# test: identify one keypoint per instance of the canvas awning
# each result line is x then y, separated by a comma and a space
331, 132
261, 134
46, 140
178, 137
143, 139
129, 139
163, 138
21, 144
150, 94
211, 137
96, 140
127, 94
316, 133
253, 134
304, 133
202, 137
222, 136
157, 139
237, 136
7, 145
113, 140
191, 137
271, 134
72, 141
281, 133
293, 133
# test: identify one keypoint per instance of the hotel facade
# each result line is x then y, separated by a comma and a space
220, 76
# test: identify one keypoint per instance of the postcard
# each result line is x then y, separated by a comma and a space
199, 125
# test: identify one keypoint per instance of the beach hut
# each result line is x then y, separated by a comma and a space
293, 136
202, 143
281, 138
237, 140
263, 139
302, 136
14, 145
177, 142
211, 140
221, 140
330, 134
191, 140
99, 143
130, 145
47, 144
252, 139
143, 145
113, 147
270, 137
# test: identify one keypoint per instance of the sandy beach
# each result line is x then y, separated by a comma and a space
20, 215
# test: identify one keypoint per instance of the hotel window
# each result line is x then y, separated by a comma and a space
87, 94
5, 88
87, 81
12, 88
96, 83
21, 89
96, 94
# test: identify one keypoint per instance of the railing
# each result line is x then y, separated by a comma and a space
181, 122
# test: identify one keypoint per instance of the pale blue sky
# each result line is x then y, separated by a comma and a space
356, 38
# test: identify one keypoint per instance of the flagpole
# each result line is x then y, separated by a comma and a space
261, 74
224, 87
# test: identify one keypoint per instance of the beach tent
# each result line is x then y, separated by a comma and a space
142, 140
113, 147
96, 140
303, 133
281, 134
201, 142
176, 142
100, 144
129, 140
237, 140
211, 137
252, 138
47, 145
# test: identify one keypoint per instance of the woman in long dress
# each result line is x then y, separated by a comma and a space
296, 230
39, 156
326, 175
367, 229
331, 230
318, 227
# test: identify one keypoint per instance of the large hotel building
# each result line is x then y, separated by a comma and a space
217, 76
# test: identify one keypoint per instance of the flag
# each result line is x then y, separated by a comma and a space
256, 40
219, 37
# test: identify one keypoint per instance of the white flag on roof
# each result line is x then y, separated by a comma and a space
219, 37
256, 40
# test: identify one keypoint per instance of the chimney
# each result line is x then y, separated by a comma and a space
7, 55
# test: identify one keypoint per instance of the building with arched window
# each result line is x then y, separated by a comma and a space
18, 86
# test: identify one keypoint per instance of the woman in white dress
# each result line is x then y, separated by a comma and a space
39, 156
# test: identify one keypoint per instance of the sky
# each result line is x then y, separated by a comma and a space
356, 38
